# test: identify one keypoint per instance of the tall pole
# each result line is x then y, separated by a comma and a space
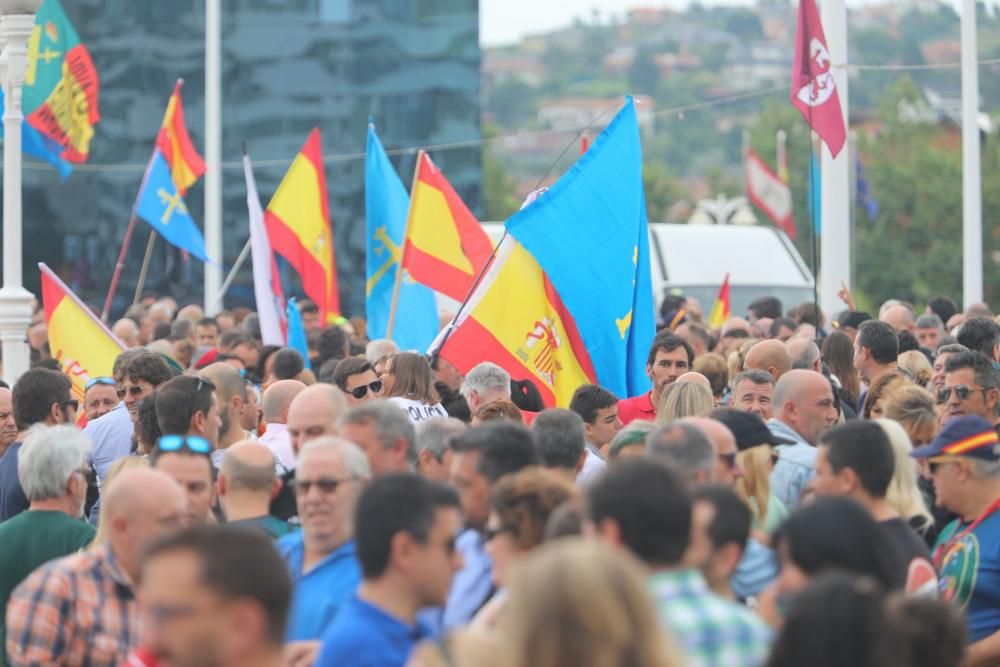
835, 248
17, 20
972, 204
213, 154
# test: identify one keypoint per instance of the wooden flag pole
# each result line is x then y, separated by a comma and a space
141, 283
106, 312
399, 267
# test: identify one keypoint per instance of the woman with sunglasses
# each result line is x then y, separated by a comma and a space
409, 384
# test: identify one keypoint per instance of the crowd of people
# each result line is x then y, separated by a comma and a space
789, 492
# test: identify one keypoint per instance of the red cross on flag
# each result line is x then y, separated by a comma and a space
814, 91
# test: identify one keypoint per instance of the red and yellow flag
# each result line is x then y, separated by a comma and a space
722, 309
83, 345
517, 320
298, 225
174, 142
445, 246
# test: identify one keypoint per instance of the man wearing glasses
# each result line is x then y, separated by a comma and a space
971, 386
963, 461
357, 379
41, 396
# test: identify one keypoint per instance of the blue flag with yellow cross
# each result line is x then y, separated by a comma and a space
161, 205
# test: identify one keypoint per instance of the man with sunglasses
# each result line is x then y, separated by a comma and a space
357, 379
41, 396
971, 386
963, 461
100, 397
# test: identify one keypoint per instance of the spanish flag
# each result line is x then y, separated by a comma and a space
82, 344
517, 320
174, 142
298, 225
445, 247
60, 97
722, 309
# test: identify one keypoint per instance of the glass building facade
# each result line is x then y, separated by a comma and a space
288, 66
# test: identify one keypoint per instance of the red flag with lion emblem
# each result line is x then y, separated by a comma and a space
814, 91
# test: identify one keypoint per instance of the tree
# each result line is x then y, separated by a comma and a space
499, 188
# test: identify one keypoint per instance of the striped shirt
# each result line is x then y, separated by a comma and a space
78, 610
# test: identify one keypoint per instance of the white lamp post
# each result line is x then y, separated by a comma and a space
17, 19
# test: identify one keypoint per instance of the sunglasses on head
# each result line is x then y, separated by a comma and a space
359, 392
962, 392
192, 443
106, 381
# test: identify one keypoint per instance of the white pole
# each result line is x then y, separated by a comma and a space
972, 205
835, 235
213, 154
16, 24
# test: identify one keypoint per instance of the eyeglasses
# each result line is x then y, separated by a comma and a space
134, 390
72, 403
935, 463
489, 534
728, 459
326, 485
962, 392
359, 392
106, 381
192, 443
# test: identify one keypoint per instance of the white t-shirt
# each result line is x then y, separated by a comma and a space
418, 411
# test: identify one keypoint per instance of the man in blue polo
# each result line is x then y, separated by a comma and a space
321, 557
963, 461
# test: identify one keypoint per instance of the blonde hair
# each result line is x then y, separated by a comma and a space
754, 486
737, 358
126, 463
915, 363
913, 407
903, 494
580, 603
713, 366
684, 399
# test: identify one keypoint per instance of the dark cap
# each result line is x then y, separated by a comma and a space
749, 429
852, 319
969, 436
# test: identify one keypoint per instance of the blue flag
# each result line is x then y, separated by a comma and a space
815, 194
386, 208
588, 232
37, 145
864, 192
162, 207
297, 331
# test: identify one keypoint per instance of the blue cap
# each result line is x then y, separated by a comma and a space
963, 436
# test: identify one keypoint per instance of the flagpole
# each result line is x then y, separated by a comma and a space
743, 158
814, 225
126, 242
399, 269
213, 153
835, 174
232, 272
972, 205
141, 283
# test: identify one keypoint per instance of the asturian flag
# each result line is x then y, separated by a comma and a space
814, 89
769, 193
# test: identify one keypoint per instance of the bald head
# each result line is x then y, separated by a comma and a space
804, 401
695, 378
734, 323
899, 317
247, 466
127, 331
770, 356
227, 381
314, 413
277, 398
804, 353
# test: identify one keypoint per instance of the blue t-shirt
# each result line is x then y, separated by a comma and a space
365, 636
319, 594
12, 498
970, 573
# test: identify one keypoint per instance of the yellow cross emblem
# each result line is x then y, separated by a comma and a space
35, 54
173, 202
395, 256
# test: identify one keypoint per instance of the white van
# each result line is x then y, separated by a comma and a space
694, 260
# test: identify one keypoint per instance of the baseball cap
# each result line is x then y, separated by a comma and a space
969, 436
749, 429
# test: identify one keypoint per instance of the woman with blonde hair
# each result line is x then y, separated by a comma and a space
874, 406
913, 407
580, 603
915, 363
408, 382
126, 463
684, 399
903, 494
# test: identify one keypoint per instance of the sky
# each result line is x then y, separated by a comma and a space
506, 21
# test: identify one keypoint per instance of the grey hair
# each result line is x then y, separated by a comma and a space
930, 321
560, 438
807, 356
49, 457
354, 459
181, 329
380, 347
683, 446
435, 435
486, 377
754, 375
989, 469
391, 424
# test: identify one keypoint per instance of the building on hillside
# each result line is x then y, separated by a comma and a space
577, 112
757, 64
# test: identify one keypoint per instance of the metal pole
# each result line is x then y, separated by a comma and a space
213, 153
835, 247
972, 205
233, 271
141, 283
15, 301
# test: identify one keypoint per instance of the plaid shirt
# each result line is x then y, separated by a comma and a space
78, 610
713, 631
